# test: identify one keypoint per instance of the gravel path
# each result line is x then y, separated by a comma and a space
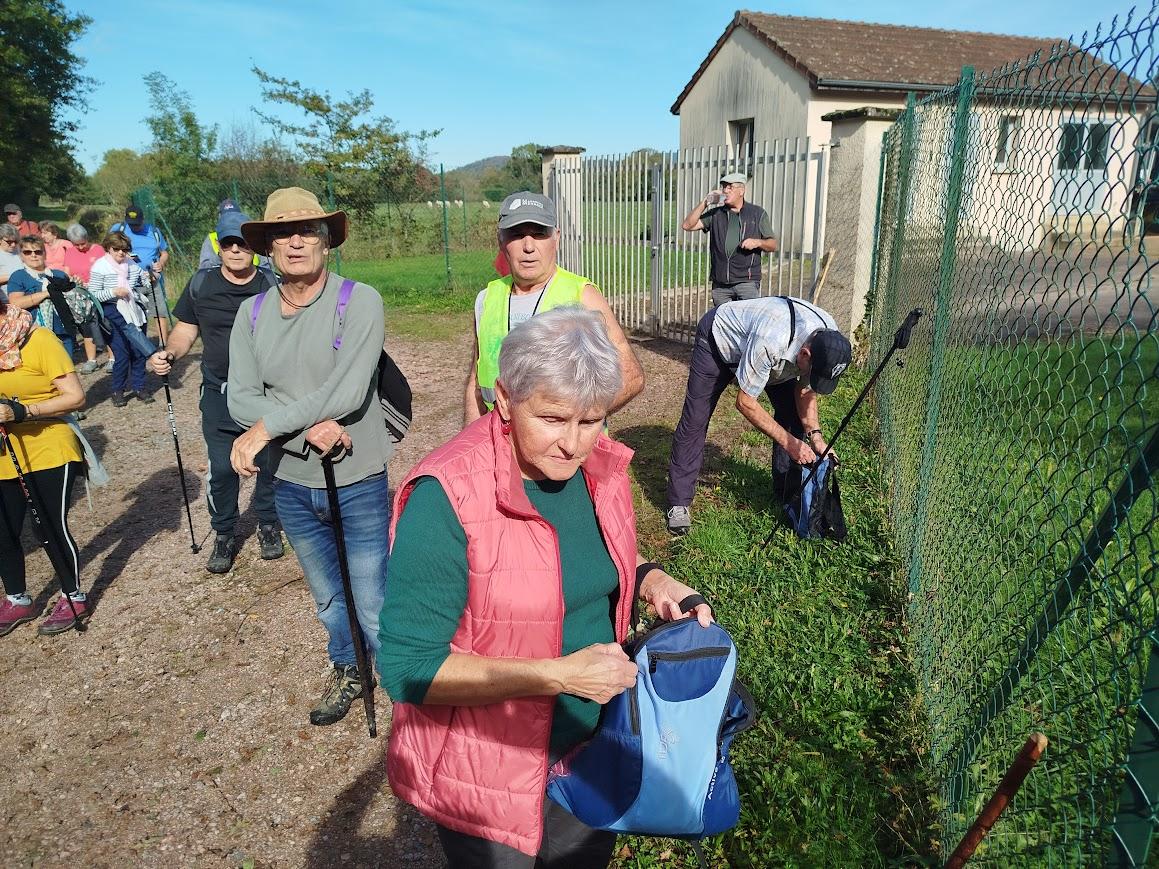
174, 732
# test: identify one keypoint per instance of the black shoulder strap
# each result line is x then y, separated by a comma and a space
792, 321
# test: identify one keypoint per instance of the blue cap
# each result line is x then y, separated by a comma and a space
229, 225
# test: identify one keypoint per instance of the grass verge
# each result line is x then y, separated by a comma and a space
832, 773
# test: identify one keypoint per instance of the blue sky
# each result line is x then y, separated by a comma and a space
601, 74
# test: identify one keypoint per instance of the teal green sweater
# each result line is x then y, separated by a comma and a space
426, 592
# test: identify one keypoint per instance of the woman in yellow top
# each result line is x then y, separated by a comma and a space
37, 384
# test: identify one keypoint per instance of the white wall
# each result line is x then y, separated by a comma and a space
745, 80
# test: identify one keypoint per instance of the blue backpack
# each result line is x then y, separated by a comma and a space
814, 508
658, 764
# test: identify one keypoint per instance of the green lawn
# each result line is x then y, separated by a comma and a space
832, 773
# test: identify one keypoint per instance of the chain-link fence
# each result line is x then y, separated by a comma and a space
1019, 209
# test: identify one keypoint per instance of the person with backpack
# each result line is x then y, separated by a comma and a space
151, 253
511, 585
303, 379
787, 348
207, 308
28, 288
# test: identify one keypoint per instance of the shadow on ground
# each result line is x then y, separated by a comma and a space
340, 839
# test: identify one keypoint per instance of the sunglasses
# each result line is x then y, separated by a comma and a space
308, 234
29, 252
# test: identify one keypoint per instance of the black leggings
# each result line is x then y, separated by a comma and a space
52, 494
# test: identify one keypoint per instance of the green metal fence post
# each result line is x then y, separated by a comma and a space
904, 178
1138, 800
961, 135
330, 206
446, 225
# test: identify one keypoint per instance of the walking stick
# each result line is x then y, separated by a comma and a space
365, 674
901, 340
1007, 789
78, 622
173, 428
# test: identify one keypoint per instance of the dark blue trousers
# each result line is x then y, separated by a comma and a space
130, 350
708, 376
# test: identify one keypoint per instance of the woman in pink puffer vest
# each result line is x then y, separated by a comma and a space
510, 587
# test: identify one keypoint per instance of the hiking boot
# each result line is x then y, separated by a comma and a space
88, 367
61, 618
144, 397
120, 399
109, 366
12, 615
270, 541
224, 551
679, 520
343, 689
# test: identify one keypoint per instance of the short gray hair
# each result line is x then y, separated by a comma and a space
7, 230
76, 232
565, 353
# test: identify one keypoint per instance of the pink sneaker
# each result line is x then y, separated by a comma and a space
61, 618
12, 615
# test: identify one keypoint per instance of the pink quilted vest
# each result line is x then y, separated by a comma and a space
482, 770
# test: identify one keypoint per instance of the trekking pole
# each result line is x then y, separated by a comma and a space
365, 674
6, 441
173, 428
901, 339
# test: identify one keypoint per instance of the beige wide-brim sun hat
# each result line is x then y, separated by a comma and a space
291, 205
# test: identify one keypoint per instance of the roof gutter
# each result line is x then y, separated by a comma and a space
848, 84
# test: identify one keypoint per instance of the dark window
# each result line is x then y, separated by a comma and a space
1070, 147
1098, 138
740, 134
1008, 126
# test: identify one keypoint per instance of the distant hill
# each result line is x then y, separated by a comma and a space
481, 166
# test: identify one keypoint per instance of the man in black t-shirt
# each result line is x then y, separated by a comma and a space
208, 307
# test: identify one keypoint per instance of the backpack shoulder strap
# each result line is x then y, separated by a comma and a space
257, 309
792, 320
344, 294
195, 284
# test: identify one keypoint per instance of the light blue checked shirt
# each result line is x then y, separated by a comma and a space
753, 334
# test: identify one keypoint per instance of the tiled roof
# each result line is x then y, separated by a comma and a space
871, 57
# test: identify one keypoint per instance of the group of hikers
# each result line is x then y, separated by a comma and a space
494, 589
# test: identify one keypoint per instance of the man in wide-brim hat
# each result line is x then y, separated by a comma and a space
296, 386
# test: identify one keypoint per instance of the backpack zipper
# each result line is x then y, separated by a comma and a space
690, 655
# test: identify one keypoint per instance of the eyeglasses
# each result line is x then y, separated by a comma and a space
308, 234
7, 241
29, 252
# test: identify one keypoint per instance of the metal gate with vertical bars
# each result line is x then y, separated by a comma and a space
621, 216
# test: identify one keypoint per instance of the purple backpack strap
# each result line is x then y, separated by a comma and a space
344, 294
258, 299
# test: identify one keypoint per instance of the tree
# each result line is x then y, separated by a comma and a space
121, 172
366, 159
41, 82
522, 171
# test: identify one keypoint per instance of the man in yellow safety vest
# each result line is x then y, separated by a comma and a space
529, 239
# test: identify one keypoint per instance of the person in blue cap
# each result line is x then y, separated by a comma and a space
210, 255
207, 308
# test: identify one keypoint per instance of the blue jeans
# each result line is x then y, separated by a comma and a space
305, 517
